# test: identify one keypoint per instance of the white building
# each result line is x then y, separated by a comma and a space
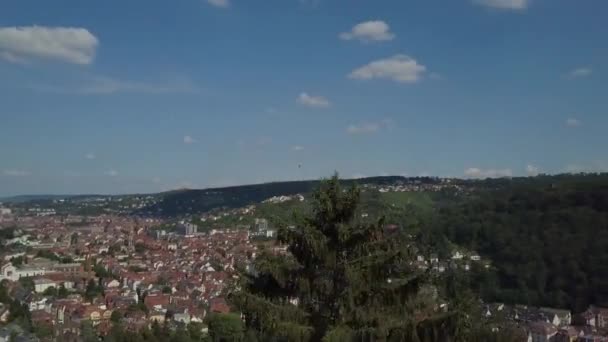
541, 332
10, 272
5, 211
457, 255
41, 284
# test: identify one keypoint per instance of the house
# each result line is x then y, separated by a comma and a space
41, 284
559, 318
218, 305
183, 317
568, 334
596, 317
475, 257
4, 312
457, 255
158, 316
10, 272
541, 332
112, 284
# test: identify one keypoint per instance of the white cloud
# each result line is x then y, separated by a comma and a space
90, 156
376, 30
9, 57
572, 122
532, 170
65, 44
580, 72
297, 148
189, 140
475, 172
368, 127
111, 173
399, 68
219, 3
504, 4
16, 173
313, 101
102, 85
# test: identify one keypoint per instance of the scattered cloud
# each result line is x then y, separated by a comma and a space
90, 156
16, 173
9, 57
475, 172
65, 44
111, 173
375, 30
572, 122
532, 170
189, 140
580, 72
102, 85
504, 4
399, 68
589, 167
219, 3
368, 127
312, 101
297, 148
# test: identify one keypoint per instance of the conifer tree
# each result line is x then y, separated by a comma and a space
341, 280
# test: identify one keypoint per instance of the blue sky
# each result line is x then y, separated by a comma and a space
142, 96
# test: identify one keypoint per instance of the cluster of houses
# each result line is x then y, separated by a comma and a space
553, 325
459, 260
417, 185
116, 266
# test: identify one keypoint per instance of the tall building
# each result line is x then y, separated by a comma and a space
261, 224
188, 229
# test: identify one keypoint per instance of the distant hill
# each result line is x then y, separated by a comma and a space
29, 198
185, 202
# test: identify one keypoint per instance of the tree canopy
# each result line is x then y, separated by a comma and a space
341, 280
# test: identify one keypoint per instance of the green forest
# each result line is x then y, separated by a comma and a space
347, 279
547, 238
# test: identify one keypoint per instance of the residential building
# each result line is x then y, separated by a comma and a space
541, 332
41, 284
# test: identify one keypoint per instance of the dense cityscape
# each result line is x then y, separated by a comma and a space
75, 277
303, 171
